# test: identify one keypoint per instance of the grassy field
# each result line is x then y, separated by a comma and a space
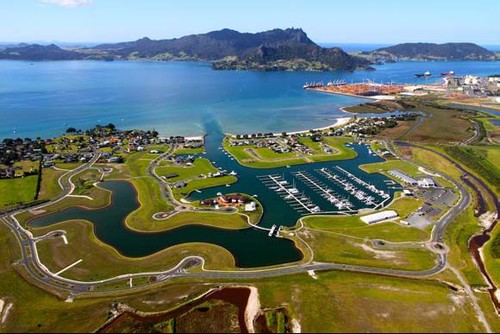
379, 107
68, 165
221, 220
482, 161
444, 126
151, 201
202, 184
101, 261
341, 248
189, 151
17, 191
396, 132
35, 310
355, 302
350, 302
200, 166
491, 252
384, 167
457, 237
84, 181
50, 187
434, 161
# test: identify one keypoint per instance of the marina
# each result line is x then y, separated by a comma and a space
331, 196
358, 188
290, 194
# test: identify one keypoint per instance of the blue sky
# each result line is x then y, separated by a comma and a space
346, 21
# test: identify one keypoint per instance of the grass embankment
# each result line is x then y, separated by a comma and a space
492, 130
379, 107
101, 261
491, 252
17, 191
384, 167
261, 157
482, 161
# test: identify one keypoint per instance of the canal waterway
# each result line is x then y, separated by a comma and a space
250, 247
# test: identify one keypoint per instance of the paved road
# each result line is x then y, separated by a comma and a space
41, 274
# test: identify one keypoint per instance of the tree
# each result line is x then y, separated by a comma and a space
283, 134
111, 126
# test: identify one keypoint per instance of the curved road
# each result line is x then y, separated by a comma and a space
41, 274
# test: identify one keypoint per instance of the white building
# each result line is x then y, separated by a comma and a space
250, 207
379, 216
427, 183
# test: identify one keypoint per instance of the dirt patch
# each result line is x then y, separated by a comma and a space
6, 312
221, 311
378, 253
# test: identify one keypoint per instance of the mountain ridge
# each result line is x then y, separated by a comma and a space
272, 50
433, 51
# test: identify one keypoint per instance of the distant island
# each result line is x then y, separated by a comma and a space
274, 50
429, 51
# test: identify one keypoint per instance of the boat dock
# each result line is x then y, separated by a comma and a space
324, 191
352, 189
363, 183
289, 193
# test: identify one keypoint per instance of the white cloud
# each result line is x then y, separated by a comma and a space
68, 3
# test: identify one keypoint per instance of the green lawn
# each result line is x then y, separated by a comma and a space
491, 253
202, 184
50, 186
189, 151
386, 166
17, 191
151, 202
200, 166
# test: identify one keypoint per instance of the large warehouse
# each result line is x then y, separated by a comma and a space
379, 216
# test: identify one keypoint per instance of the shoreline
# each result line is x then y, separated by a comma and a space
338, 122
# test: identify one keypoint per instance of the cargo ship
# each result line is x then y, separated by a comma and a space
425, 74
448, 74
313, 85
